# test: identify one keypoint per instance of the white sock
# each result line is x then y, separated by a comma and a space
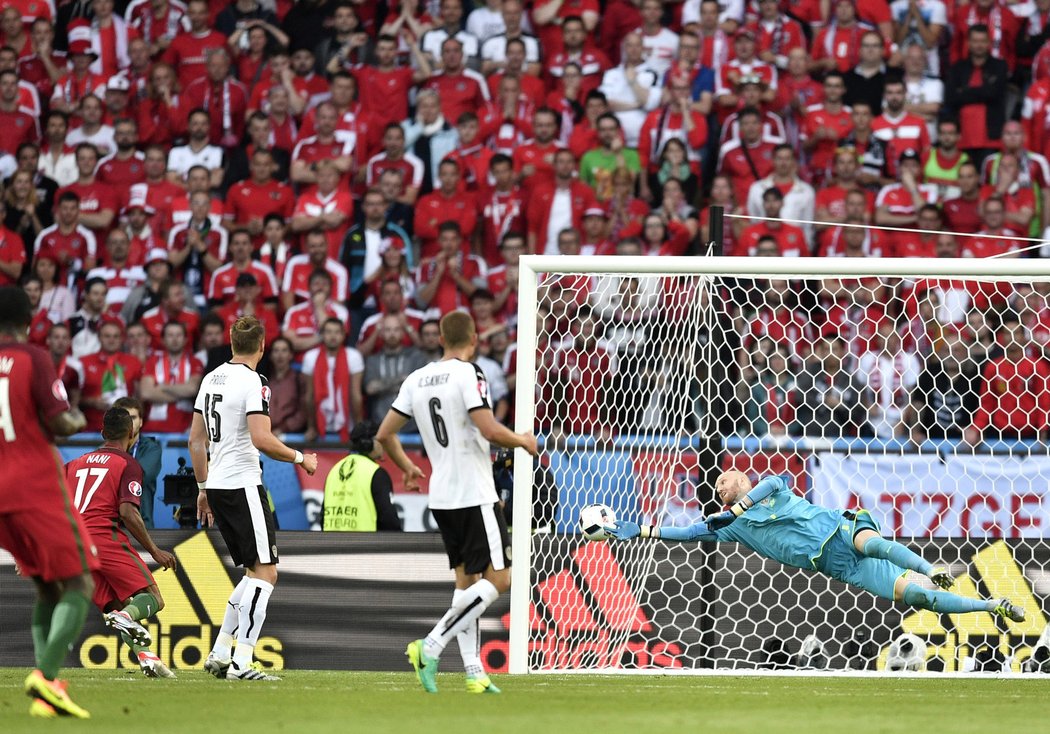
472, 604
252, 615
223, 647
468, 642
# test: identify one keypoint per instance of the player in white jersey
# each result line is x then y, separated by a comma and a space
449, 401
231, 422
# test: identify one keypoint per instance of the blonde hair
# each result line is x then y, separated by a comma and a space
246, 335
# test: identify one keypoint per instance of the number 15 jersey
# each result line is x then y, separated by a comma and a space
226, 398
441, 396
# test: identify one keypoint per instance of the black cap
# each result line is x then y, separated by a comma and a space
246, 279
910, 154
361, 437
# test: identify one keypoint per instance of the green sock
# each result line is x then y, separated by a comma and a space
135, 648
66, 623
41, 626
142, 606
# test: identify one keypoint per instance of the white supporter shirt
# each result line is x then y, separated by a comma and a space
181, 159
616, 89
729, 10
560, 218
226, 398
101, 139
799, 203
440, 397
495, 49
432, 40
484, 23
661, 49
924, 91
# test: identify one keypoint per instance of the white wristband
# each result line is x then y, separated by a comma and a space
298, 457
200, 485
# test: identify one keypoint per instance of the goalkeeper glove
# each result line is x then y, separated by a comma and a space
720, 520
623, 530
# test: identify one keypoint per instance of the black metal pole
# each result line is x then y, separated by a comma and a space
714, 226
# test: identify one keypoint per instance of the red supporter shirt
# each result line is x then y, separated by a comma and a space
913, 244
790, 239
1015, 397
95, 198
822, 156
962, 215
34, 396
371, 325
157, 318
1003, 29
247, 200
496, 281
223, 282
12, 250
314, 205
16, 128
447, 297
301, 320
384, 94
107, 375
297, 277
100, 481
410, 166
75, 246
312, 150
501, 212
171, 417
583, 376
900, 134
833, 198
434, 209
226, 104
840, 44
233, 311
541, 157
744, 167
188, 53
459, 93
550, 35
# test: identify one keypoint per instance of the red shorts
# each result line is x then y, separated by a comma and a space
121, 572
49, 542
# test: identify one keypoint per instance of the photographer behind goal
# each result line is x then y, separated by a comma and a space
357, 491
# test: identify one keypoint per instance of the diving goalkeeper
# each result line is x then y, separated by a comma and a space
774, 522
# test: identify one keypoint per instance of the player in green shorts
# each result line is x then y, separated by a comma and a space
775, 523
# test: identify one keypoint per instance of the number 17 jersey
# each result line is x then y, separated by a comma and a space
226, 398
441, 396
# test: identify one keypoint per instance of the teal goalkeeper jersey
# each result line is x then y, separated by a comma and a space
784, 527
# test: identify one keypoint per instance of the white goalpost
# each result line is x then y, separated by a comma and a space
863, 379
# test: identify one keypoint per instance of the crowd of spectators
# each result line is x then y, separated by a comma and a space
349, 171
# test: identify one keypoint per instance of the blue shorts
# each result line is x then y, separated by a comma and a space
843, 562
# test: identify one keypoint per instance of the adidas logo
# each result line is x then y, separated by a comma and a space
195, 598
949, 635
587, 616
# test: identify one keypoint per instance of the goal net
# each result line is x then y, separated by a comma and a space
916, 389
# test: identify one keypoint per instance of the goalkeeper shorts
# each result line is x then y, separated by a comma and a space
843, 562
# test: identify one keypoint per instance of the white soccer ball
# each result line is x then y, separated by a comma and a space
593, 519
907, 652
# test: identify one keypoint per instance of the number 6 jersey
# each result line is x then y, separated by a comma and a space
441, 396
226, 398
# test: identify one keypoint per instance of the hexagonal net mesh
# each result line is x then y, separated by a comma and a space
923, 400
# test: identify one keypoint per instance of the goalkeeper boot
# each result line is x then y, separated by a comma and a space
53, 693
426, 667
215, 666
1009, 610
481, 684
122, 622
41, 709
940, 577
153, 667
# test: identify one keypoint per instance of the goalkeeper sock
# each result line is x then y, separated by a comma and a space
142, 606
897, 554
252, 615
223, 647
468, 642
944, 602
66, 623
41, 626
472, 603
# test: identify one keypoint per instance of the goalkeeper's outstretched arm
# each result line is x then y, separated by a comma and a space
696, 533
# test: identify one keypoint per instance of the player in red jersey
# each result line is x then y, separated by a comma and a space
37, 525
107, 487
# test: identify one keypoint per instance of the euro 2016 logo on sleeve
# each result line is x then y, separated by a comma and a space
135, 488
266, 393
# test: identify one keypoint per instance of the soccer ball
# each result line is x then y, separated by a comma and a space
907, 652
593, 519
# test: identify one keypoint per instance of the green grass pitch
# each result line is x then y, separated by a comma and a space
316, 702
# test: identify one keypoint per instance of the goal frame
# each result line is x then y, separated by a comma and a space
529, 268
